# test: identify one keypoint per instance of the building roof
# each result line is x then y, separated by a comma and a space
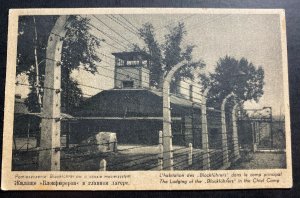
132, 102
22, 110
131, 55
176, 99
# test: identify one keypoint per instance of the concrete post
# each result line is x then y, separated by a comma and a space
15, 143
271, 131
254, 146
102, 166
167, 129
257, 133
160, 151
49, 156
255, 136
205, 141
224, 132
190, 154
28, 135
236, 150
259, 128
68, 135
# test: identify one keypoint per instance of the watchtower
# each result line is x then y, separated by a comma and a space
131, 70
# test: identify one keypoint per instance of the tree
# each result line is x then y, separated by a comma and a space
238, 76
156, 68
166, 56
78, 51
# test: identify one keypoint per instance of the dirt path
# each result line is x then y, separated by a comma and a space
260, 161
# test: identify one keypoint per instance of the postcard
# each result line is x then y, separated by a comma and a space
146, 99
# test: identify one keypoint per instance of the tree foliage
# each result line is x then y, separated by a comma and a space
167, 55
78, 51
238, 76
154, 49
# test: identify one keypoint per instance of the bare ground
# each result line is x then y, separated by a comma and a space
142, 157
127, 158
260, 160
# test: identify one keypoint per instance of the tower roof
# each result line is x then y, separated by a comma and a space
131, 55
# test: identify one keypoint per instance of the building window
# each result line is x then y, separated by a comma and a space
127, 84
133, 63
119, 62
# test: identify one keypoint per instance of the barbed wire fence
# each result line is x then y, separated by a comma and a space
185, 157
181, 155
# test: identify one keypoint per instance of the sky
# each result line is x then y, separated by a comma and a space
253, 36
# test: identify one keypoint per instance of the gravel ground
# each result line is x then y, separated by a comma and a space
260, 160
141, 157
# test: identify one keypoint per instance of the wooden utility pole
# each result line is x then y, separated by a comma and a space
35, 41
49, 156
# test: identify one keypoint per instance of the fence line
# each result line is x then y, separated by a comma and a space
188, 155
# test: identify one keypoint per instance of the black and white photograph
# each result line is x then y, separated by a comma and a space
141, 91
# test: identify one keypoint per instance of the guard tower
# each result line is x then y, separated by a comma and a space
131, 70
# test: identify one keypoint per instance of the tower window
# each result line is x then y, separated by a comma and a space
127, 84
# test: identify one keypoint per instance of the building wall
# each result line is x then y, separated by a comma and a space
128, 131
145, 75
128, 74
197, 128
214, 128
136, 103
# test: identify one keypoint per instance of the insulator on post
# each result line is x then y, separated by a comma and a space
36, 85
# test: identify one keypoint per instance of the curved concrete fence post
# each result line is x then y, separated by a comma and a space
167, 129
226, 163
205, 141
236, 150
49, 159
